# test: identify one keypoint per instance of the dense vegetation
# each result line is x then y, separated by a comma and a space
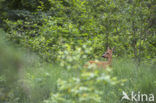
45, 43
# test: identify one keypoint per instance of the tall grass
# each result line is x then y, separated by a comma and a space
43, 80
139, 78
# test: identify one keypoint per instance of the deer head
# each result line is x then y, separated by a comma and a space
108, 53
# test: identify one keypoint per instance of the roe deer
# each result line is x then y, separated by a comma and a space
104, 64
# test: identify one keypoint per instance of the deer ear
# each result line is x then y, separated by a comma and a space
113, 48
108, 48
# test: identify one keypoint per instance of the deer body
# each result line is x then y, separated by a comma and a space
104, 64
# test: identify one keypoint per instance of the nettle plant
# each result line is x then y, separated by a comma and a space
85, 88
70, 58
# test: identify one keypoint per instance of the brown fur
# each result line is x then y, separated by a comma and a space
104, 64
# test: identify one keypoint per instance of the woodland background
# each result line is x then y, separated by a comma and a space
45, 43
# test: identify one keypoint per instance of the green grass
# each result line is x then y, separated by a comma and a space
43, 80
139, 78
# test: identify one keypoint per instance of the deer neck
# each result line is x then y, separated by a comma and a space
109, 60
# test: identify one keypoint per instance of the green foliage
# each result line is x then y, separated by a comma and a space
124, 25
49, 83
68, 33
86, 87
